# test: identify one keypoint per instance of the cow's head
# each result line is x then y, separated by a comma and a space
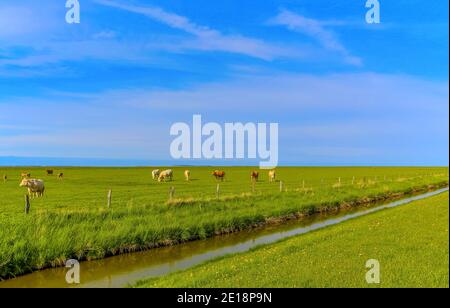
24, 183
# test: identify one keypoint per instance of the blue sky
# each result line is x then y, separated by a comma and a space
344, 92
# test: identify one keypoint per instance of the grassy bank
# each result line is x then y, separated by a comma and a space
410, 242
72, 220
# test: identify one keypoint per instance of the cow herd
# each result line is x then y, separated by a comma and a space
167, 175
36, 187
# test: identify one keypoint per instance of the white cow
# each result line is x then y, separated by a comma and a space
155, 174
35, 187
187, 175
166, 174
272, 175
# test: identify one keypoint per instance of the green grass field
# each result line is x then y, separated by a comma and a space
72, 220
410, 242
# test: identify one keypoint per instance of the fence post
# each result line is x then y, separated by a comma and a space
303, 184
253, 186
171, 193
109, 198
353, 180
27, 204
281, 186
218, 191
5, 178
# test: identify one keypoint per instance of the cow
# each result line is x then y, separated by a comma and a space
219, 175
272, 175
49, 172
164, 175
187, 175
155, 174
60, 175
254, 176
35, 187
25, 175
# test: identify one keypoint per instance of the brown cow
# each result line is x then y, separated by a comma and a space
25, 175
49, 172
60, 175
219, 175
254, 176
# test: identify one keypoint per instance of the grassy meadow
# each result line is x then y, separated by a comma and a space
410, 242
72, 219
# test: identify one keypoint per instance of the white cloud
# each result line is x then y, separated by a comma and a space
104, 35
317, 30
207, 39
55, 52
280, 93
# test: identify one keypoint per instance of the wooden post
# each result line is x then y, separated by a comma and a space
253, 186
171, 193
218, 191
5, 178
27, 204
353, 180
109, 198
281, 186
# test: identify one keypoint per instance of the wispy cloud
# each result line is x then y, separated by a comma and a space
280, 93
206, 39
107, 34
317, 30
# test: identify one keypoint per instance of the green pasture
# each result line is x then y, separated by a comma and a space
409, 242
72, 219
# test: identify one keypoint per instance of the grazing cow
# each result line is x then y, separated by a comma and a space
60, 175
272, 175
25, 175
155, 174
35, 187
49, 172
219, 175
164, 175
254, 176
187, 175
